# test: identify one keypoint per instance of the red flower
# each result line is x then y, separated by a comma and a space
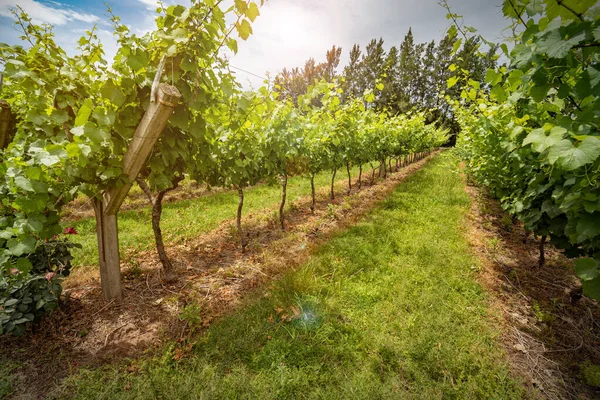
14, 271
70, 231
49, 276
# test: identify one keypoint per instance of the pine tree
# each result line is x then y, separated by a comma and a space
352, 74
407, 70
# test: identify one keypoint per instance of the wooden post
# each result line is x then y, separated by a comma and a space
4, 124
107, 206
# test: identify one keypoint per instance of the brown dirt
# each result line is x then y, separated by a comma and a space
547, 332
213, 277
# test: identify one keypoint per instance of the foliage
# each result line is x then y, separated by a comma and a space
590, 374
534, 138
29, 292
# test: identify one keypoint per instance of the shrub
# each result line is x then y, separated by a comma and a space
33, 290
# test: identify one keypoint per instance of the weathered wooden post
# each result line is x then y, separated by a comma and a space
107, 205
4, 124
4, 119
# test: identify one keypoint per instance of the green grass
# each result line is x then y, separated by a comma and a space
389, 309
186, 219
6, 379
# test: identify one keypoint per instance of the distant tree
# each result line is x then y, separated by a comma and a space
353, 84
413, 75
390, 95
373, 62
408, 69
295, 82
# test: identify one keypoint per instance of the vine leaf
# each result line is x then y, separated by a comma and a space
571, 157
244, 29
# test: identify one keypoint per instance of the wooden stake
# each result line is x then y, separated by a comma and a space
4, 124
107, 206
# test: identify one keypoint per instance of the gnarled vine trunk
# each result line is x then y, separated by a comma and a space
283, 197
332, 194
372, 174
349, 178
156, 202
239, 218
360, 177
312, 189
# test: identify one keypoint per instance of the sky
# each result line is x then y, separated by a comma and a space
286, 34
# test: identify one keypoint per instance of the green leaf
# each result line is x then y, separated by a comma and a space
252, 11
589, 227
571, 157
456, 45
244, 29
103, 116
94, 133
534, 7
232, 44
114, 94
83, 115
23, 183
24, 265
18, 247
538, 93
540, 141
452, 81
555, 46
10, 302
137, 60
498, 93
492, 77
452, 31
591, 288
586, 268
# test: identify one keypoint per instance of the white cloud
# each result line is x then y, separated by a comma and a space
42, 13
289, 32
150, 4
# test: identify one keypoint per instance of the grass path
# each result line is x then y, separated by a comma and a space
389, 308
189, 218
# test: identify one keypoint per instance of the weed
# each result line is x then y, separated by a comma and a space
494, 244
590, 374
507, 222
540, 315
191, 314
6, 380
331, 212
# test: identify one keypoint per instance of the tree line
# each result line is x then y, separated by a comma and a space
414, 75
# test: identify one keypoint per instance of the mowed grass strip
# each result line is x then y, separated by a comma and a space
187, 219
388, 309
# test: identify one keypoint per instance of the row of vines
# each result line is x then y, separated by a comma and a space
74, 117
533, 136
